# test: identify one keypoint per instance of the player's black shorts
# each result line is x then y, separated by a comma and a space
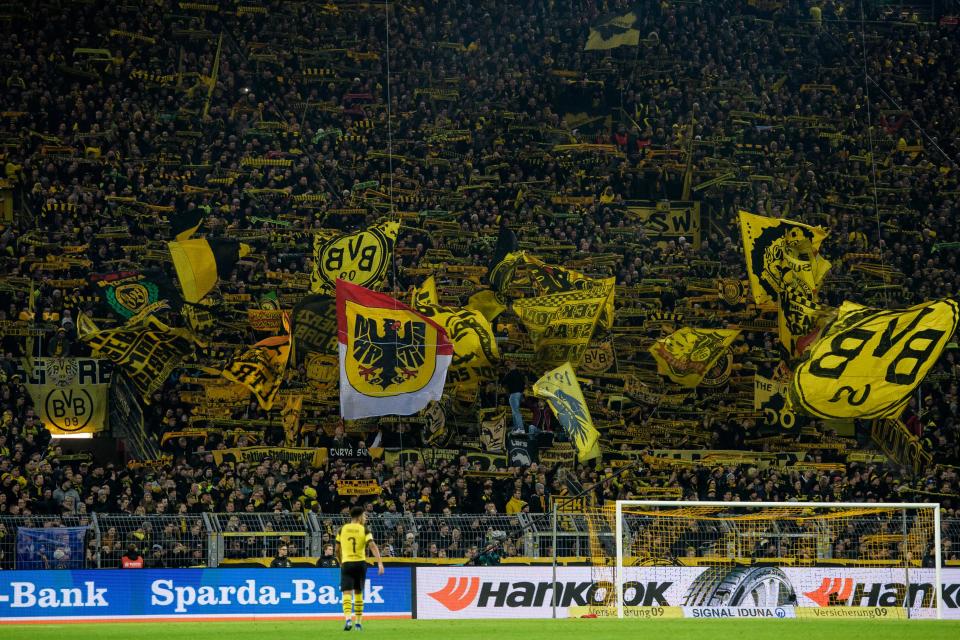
353, 575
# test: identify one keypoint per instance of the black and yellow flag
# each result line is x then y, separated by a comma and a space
261, 368
200, 262
562, 324
613, 30
562, 392
201, 317
184, 223
475, 351
548, 278
488, 303
290, 415
869, 361
314, 326
146, 348
687, 354
493, 429
784, 266
361, 257
502, 272
500, 269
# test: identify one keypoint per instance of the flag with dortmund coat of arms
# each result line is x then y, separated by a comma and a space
393, 360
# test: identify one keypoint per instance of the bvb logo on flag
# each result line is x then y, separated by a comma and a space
719, 373
598, 358
361, 257
388, 356
61, 372
731, 291
130, 298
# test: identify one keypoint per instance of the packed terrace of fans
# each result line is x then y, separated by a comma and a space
141, 124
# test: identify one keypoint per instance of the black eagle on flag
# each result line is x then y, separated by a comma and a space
391, 356
572, 414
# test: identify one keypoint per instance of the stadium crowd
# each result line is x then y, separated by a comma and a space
695, 63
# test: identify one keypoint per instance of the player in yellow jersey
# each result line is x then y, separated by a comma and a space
352, 542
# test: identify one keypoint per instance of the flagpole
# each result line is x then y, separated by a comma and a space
213, 78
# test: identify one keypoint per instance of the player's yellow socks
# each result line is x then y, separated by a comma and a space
358, 606
348, 604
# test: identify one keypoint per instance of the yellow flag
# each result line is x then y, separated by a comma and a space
200, 262
146, 348
561, 390
784, 266
361, 258
487, 303
548, 278
688, 353
869, 361
562, 324
475, 348
502, 272
261, 368
291, 418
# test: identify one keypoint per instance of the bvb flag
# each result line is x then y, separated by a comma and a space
146, 348
474, 344
547, 278
393, 360
869, 361
127, 293
261, 367
562, 391
200, 262
613, 30
562, 324
71, 395
784, 265
361, 257
688, 353
184, 223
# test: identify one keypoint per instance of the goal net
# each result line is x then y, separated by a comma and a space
781, 560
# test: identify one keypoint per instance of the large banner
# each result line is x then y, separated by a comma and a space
665, 221
562, 324
297, 455
70, 394
695, 592
687, 354
117, 594
393, 360
896, 441
869, 361
361, 257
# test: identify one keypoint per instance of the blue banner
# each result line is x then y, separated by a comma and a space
50, 548
182, 593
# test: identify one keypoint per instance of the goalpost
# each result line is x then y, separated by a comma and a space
775, 559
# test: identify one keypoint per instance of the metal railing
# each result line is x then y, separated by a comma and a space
208, 539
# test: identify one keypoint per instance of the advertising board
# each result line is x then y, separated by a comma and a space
131, 594
698, 592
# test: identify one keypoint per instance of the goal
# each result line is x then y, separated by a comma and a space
775, 559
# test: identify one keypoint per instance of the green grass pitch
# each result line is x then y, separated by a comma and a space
576, 629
